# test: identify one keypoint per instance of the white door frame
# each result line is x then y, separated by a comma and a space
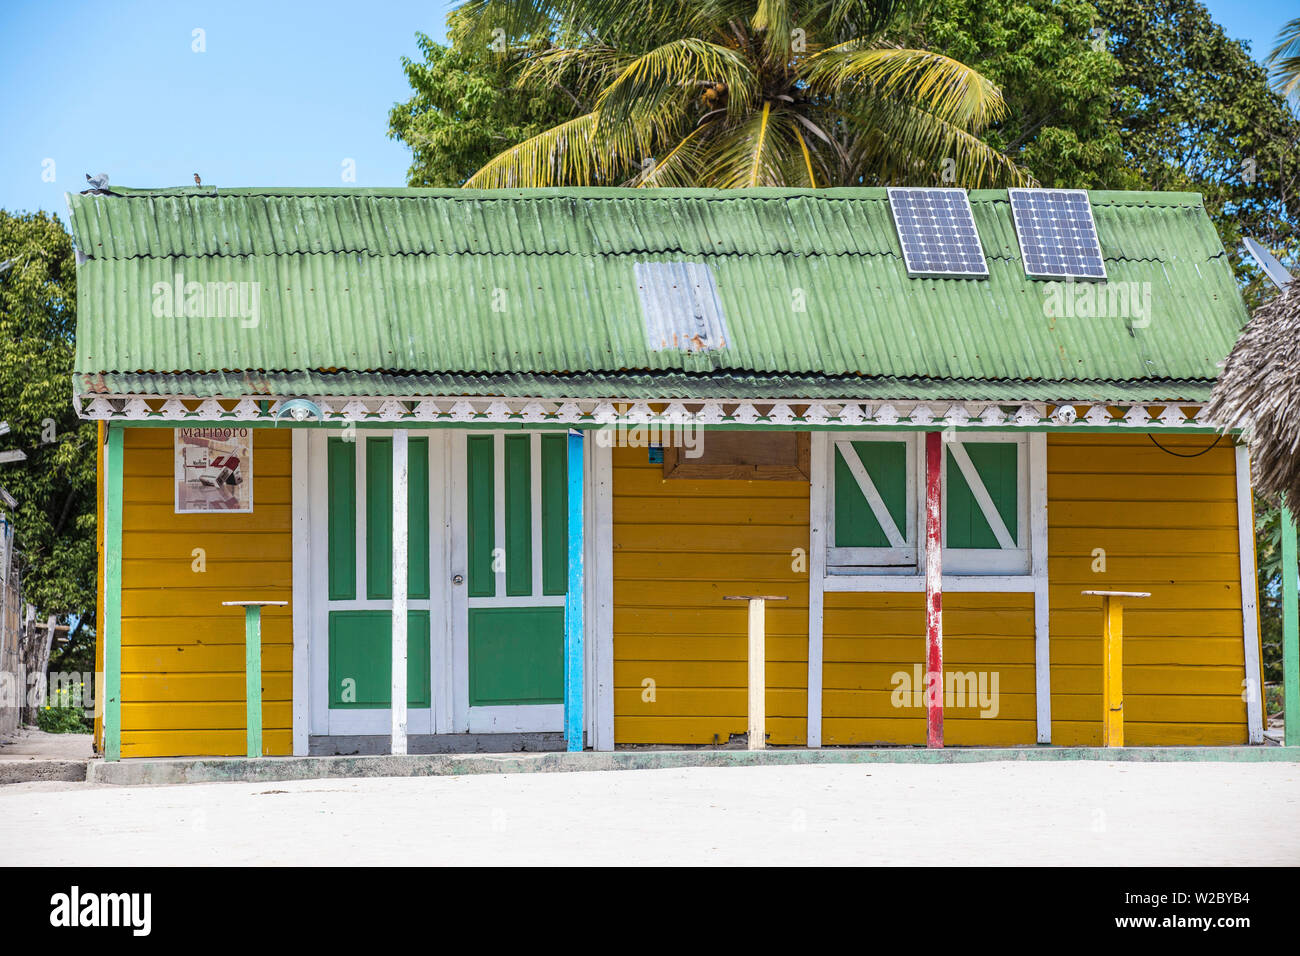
521, 718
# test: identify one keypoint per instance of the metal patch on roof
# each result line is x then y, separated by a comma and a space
680, 306
936, 229
1058, 238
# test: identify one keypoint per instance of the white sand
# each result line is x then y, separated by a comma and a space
980, 814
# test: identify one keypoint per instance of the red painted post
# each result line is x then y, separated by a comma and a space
933, 590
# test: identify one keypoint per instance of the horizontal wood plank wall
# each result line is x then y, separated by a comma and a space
867, 638
182, 652
1167, 525
681, 546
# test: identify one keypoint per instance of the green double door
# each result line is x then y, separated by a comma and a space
486, 580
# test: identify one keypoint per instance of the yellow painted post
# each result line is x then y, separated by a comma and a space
757, 732
1112, 663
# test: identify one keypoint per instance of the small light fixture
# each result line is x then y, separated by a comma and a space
299, 409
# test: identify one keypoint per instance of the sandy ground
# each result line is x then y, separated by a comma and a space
27, 743
981, 814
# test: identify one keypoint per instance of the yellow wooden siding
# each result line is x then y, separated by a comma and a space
182, 652
868, 638
680, 547
1167, 525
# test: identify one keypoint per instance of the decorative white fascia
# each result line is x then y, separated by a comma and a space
1146, 416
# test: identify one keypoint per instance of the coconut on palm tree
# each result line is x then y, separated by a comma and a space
725, 93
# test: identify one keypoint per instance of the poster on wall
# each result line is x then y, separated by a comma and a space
214, 469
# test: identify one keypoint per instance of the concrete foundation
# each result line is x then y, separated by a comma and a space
266, 769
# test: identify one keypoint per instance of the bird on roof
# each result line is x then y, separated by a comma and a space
97, 182
197, 181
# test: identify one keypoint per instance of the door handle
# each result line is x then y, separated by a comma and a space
458, 579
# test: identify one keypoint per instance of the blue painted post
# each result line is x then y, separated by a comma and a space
573, 683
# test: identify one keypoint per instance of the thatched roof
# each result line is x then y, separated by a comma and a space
1259, 392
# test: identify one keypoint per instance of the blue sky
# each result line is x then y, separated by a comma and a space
283, 94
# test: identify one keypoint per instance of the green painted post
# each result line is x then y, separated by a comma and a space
113, 593
253, 677
1290, 631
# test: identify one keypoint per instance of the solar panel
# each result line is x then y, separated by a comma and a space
1058, 238
937, 231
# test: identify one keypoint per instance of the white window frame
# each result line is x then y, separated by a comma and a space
1015, 560
902, 557
965, 569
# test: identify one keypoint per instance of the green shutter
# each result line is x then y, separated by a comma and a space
341, 464
555, 515
855, 523
481, 514
997, 464
379, 518
519, 515
417, 525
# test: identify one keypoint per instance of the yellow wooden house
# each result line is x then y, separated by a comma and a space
528, 443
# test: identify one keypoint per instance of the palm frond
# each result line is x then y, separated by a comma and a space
1284, 61
761, 151
940, 85
684, 165
564, 155
896, 142
673, 75
773, 18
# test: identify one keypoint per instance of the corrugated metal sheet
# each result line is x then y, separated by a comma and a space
680, 307
544, 281
631, 385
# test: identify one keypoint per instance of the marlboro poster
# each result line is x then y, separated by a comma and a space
214, 469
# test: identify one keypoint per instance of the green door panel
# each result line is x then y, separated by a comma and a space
555, 515
379, 518
480, 491
341, 468
361, 659
516, 656
519, 515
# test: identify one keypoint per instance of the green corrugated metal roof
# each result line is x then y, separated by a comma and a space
403, 283
630, 385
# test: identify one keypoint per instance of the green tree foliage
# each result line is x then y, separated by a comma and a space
1197, 113
733, 93
1051, 62
55, 486
466, 108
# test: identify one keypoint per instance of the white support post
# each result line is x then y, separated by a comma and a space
1037, 451
302, 596
757, 675
1252, 689
820, 454
399, 590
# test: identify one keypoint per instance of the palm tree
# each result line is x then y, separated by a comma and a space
727, 93
1284, 61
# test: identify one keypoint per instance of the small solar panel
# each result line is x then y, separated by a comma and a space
1058, 238
937, 231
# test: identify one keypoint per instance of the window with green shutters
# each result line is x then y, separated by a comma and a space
872, 499
986, 511
875, 495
